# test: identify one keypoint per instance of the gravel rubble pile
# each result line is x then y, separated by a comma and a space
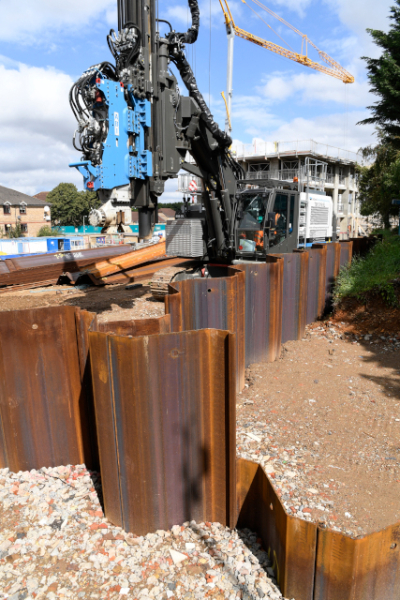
55, 543
330, 331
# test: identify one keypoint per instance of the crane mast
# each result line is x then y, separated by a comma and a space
229, 76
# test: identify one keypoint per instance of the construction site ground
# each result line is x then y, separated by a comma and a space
323, 421
111, 302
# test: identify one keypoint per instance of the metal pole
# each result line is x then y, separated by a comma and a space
229, 77
128, 11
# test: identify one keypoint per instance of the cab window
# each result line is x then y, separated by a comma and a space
250, 229
253, 211
278, 231
291, 215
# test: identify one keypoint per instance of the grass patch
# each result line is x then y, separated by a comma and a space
378, 272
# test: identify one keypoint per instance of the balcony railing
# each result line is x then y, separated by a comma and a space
287, 175
265, 149
281, 174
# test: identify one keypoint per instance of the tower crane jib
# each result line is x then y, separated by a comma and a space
331, 67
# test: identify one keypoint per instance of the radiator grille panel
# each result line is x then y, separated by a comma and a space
184, 237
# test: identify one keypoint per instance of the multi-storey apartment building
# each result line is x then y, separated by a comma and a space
30, 212
284, 160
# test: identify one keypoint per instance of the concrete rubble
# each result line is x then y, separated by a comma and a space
56, 543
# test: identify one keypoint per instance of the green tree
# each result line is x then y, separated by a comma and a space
384, 75
68, 206
380, 182
15, 232
45, 231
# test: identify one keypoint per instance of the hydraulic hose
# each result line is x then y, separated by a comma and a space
191, 35
190, 82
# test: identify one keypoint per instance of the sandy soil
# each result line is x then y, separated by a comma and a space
112, 302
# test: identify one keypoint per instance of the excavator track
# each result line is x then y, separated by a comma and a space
161, 280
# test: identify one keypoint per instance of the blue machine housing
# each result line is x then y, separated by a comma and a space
120, 161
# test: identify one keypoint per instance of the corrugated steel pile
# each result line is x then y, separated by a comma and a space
112, 264
155, 401
27, 270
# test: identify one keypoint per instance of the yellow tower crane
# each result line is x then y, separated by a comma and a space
333, 68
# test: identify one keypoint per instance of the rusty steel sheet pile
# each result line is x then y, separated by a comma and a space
311, 562
165, 414
84, 321
294, 295
137, 327
42, 267
362, 246
100, 270
46, 398
145, 271
263, 315
346, 253
363, 568
332, 271
211, 302
290, 542
3, 267
156, 410
42, 399
316, 282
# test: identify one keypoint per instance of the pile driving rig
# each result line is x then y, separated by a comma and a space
135, 130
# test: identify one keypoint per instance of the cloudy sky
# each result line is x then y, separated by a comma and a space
45, 45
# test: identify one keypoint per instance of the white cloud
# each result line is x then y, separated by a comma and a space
112, 17
171, 194
36, 128
293, 5
178, 13
359, 15
334, 130
252, 112
33, 22
181, 13
40, 171
315, 87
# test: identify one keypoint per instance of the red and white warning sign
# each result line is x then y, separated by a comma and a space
193, 186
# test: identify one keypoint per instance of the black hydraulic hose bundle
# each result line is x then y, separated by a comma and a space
123, 60
179, 59
188, 78
192, 33
185, 70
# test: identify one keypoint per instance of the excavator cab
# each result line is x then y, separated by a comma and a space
267, 222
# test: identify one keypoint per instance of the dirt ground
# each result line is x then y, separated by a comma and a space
111, 303
324, 420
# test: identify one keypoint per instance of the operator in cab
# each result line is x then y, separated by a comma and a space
278, 231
